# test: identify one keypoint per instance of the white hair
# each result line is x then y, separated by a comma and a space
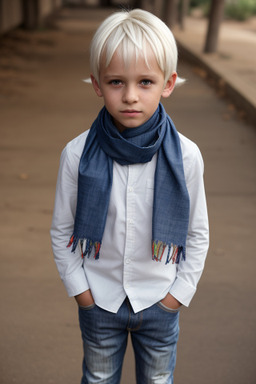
133, 33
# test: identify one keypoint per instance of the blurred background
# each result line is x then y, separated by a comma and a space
44, 56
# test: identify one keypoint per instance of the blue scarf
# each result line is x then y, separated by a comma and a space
106, 144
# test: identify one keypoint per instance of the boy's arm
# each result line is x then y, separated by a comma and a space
190, 270
69, 265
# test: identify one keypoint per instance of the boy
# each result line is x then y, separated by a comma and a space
130, 204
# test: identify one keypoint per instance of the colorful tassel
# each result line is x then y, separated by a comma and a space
97, 246
158, 250
86, 247
174, 253
71, 240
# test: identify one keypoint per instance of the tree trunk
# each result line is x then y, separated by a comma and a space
1, 16
183, 12
137, 4
105, 3
158, 8
31, 14
216, 15
170, 12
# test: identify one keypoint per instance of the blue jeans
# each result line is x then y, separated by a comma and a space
154, 333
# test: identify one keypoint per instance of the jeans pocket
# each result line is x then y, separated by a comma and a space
167, 309
87, 307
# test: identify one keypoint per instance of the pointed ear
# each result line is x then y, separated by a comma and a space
96, 86
169, 86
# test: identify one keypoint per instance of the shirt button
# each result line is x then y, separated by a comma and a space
130, 189
127, 261
130, 221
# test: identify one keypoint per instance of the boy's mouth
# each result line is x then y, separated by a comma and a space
130, 112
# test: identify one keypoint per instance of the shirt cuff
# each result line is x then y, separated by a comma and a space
182, 291
76, 283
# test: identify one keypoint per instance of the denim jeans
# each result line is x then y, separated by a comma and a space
154, 334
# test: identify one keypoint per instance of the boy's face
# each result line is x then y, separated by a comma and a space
132, 93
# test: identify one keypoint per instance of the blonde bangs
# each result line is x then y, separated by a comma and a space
132, 34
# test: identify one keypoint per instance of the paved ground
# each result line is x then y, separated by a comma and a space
43, 104
233, 66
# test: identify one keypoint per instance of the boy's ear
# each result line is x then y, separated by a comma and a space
169, 86
96, 86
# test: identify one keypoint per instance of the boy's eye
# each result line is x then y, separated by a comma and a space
146, 82
115, 82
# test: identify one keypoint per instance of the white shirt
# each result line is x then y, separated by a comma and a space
125, 267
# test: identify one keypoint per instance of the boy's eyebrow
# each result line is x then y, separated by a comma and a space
142, 75
111, 75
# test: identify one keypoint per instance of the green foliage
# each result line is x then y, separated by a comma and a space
203, 5
198, 3
240, 9
234, 9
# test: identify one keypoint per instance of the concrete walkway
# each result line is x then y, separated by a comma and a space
233, 66
44, 104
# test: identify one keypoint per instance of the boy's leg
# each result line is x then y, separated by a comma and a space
155, 344
104, 337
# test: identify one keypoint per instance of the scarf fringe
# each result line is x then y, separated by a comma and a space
86, 246
89, 247
175, 252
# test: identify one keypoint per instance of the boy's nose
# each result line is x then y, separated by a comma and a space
130, 95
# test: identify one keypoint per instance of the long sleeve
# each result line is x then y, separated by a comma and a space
189, 271
69, 265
